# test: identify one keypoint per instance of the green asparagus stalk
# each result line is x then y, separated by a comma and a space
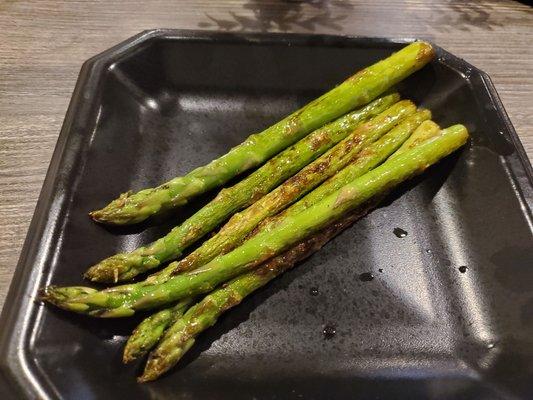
240, 224
181, 335
124, 301
426, 130
356, 91
367, 159
150, 330
125, 266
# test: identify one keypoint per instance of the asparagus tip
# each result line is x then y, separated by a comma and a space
45, 294
150, 373
144, 379
55, 294
104, 215
109, 270
66, 297
121, 211
128, 356
133, 350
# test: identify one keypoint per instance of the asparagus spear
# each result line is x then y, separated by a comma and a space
124, 301
125, 266
150, 330
356, 91
368, 159
181, 335
240, 224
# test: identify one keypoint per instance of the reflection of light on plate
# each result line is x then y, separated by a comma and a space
151, 103
411, 290
115, 339
449, 225
128, 243
96, 122
207, 102
48, 245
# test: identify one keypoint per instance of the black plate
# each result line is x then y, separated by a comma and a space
163, 102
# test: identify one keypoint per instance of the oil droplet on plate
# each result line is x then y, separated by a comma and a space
399, 232
313, 291
490, 345
366, 276
428, 251
329, 331
463, 268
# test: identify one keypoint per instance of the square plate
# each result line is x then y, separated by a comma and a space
166, 101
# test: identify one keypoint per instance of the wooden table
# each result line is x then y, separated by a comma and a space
43, 44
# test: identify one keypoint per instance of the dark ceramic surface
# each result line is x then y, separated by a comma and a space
164, 102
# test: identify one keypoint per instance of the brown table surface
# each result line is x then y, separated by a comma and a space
43, 44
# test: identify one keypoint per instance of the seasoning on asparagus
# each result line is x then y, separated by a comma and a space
150, 330
368, 159
181, 335
356, 91
126, 300
125, 266
426, 130
240, 224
